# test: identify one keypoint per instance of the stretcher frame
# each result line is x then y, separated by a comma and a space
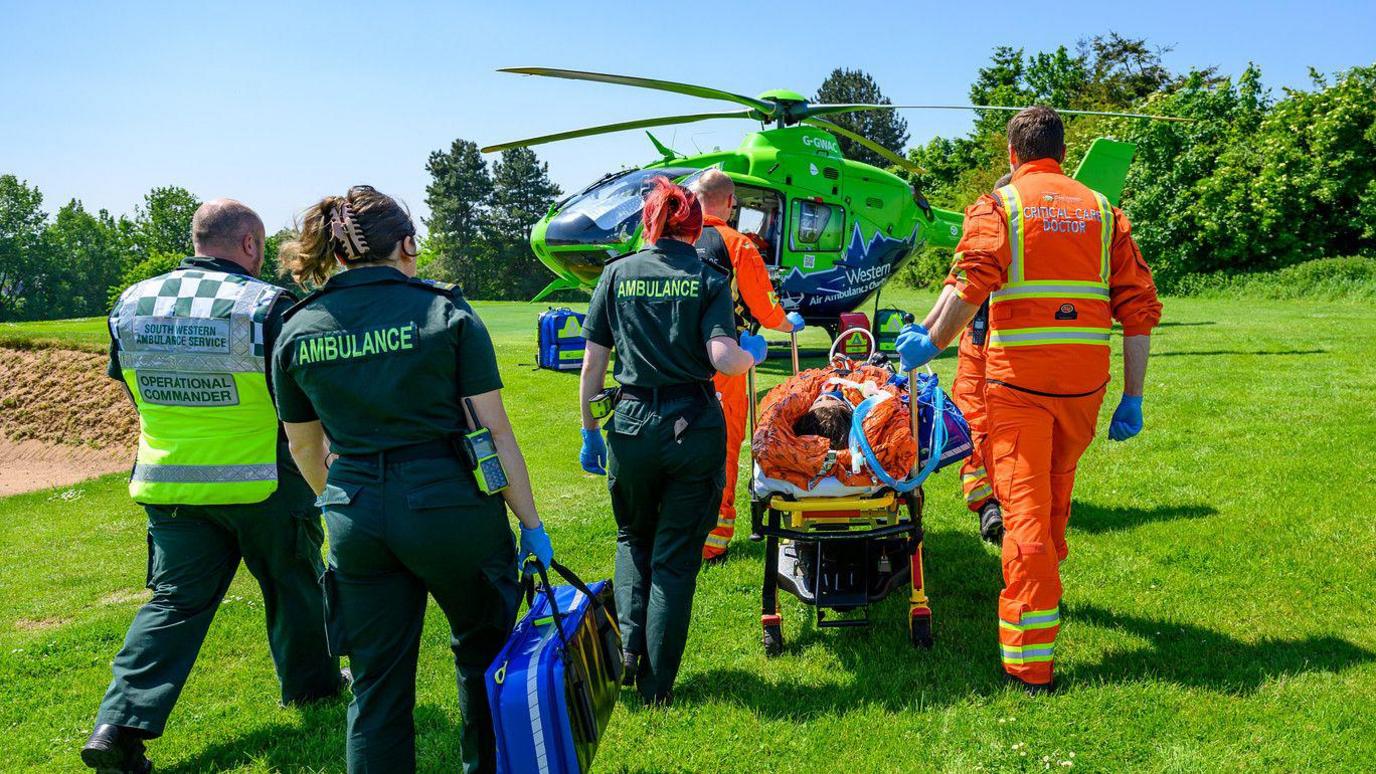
870, 519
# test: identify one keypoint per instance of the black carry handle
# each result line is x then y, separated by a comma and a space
548, 591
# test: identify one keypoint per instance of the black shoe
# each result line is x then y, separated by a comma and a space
116, 750
1034, 689
991, 522
665, 699
630, 665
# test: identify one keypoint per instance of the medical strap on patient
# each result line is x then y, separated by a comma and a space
860, 445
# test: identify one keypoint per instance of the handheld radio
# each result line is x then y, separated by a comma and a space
480, 451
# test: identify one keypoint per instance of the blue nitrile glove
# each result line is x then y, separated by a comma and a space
1127, 419
535, 542
796, 320
915, 347
755, 345
593, 455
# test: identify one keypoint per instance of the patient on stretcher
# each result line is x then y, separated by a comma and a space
829, 417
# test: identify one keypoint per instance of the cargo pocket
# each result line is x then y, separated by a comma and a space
336, 634
1003, 465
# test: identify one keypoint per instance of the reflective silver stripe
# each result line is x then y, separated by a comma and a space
204, 474
1050, 289
141, 360
998, 337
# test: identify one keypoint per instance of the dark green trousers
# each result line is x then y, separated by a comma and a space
397, 532
666, 489
193, 554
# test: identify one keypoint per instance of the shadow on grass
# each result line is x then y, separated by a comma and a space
316, 744
1169, 324
1193, 656
877, 665
1096, 519
1208, 353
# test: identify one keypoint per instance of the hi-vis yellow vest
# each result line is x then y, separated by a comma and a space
191, 350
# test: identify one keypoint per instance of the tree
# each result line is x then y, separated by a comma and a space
885, 127
522, 194
87, 254
163, 223
458, 194
22, 246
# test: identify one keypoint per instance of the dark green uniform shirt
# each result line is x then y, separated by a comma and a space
381, 360
658, 308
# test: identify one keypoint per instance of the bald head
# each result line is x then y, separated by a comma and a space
224, 228
714, 190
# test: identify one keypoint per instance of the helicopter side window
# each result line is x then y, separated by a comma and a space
816, 226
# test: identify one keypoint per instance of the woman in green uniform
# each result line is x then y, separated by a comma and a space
377, 367
669, 316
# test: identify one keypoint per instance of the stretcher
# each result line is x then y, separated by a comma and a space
840, 548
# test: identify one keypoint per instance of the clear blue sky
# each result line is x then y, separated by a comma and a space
279, 105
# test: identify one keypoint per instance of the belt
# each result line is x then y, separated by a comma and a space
669, 391
426, 450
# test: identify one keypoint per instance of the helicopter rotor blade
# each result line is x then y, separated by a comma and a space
898, 160
705, 92
642, 123
854, 107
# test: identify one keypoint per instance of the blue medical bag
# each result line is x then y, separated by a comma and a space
553, 687
561, 340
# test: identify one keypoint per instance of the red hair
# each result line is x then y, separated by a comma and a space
671, 211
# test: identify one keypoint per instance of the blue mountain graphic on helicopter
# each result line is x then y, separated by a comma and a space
867, 265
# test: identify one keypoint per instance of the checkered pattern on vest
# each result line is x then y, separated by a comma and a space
197, 293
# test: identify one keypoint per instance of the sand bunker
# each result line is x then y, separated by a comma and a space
61, 419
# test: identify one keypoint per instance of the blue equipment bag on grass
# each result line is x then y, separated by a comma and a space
561, 340
553, 687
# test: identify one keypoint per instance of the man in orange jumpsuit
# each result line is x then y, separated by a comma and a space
1058, 264
755, 302
967, 390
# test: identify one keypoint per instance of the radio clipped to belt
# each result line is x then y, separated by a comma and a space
480, 452
603, 403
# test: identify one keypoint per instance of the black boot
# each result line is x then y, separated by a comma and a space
1034, 689
991, 522
630, 665
116, 750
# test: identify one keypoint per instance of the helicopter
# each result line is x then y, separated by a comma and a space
832, 231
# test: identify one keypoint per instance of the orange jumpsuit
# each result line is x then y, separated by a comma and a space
754, 300
967, 389
1058, 264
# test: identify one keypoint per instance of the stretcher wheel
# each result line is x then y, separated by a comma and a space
773, 640
920, 629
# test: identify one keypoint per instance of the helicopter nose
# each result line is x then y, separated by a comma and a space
575, 242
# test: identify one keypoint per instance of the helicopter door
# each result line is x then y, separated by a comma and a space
759, 213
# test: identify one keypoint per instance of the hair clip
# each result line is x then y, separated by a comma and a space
345, 230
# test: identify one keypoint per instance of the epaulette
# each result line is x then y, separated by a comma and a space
436, 286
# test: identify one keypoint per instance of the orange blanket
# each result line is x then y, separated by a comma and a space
801, 460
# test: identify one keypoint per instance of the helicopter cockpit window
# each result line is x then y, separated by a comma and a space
816, 226
608, 212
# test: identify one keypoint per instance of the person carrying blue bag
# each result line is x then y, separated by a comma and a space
397, 376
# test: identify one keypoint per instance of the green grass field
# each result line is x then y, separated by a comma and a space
1218, 596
